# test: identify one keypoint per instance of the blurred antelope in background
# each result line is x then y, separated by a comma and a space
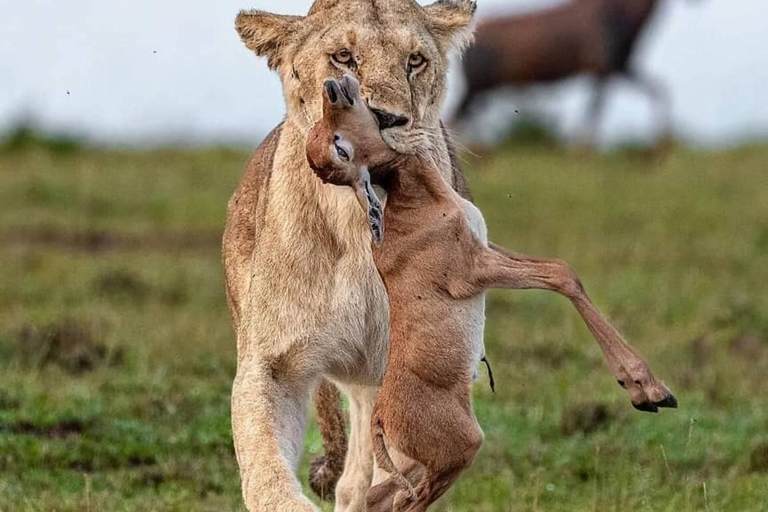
592, 37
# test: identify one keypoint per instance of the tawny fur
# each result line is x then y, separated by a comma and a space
305, 297
434, 266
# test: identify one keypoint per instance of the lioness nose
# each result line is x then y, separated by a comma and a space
388, 119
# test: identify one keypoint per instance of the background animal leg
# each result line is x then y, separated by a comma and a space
268, 421
463, 111
358, 466
502, 269
588, 137
659, 97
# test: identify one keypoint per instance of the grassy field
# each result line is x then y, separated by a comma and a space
117, 354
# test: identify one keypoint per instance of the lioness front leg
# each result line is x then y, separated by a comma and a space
497, 268
268, 420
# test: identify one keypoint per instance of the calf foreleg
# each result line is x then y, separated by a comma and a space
497, 268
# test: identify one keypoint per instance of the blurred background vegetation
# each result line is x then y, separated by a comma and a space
116, 348
117, 353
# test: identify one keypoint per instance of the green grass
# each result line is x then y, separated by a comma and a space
117, 355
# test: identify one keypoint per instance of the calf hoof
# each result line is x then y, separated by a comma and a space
646, 392
669, 402
666, 400
381, 497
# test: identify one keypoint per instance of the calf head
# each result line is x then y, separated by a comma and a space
345, 143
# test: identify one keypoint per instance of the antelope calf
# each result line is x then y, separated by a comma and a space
434, 265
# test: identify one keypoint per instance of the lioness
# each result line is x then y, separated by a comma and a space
305, 297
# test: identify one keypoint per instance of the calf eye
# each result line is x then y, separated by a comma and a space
342, 153
416, 61
343, 56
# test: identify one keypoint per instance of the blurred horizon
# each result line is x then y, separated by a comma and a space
134, 75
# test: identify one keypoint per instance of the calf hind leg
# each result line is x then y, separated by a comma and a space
384, 461
358, 466
436, 482
381, 497
501, 269
429, 490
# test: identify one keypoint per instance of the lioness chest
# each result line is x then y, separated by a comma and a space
319, 299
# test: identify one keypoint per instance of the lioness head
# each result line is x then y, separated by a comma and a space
397, 49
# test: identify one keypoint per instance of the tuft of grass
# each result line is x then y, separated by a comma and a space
25, 136
530, 131
112, 258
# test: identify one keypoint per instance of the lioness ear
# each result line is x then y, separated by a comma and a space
266, 33
450, 21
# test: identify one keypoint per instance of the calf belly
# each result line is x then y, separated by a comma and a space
475, 313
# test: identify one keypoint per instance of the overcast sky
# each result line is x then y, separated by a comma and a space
171, 70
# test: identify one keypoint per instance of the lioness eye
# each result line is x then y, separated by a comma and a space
415, 61
342, 153
343, 56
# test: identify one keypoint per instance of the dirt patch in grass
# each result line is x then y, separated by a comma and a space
758, 458
750, 346
56, 430
127, 285
586, 418
546, 355
121, 283
157, 476
701, 351
69, 344
7, 401
94, 241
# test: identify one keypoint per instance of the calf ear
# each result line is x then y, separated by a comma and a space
450, 22
266, 33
